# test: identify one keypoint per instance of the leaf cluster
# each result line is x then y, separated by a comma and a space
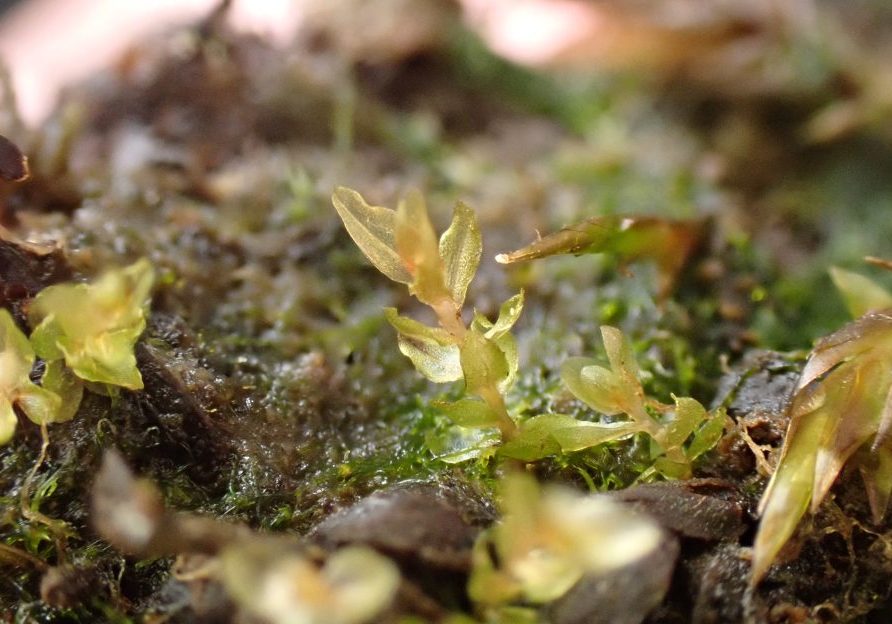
679, 433
402, 244
841, 412
85, 334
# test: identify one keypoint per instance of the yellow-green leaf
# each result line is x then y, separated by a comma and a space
373, 229
431, 349
16, 388
594, 385
482, 362
94, 326
860, 293
460, 249
469, 412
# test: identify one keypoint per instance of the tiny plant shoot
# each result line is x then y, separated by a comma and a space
841, 411
402, 245
679, 433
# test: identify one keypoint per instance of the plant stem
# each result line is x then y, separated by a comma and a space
449, 317
496, 403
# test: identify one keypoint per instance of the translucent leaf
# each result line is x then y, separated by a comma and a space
469, 412
534, 439
599, 388
672, 469
460, 249
547, 540
860, 293
687, 415
619, 352
508, 346
459, 444
430, 349
39, 405
549, 434
95, 326
584, 435
419, 251
62, 382
16, 387
790, 490
509, 312
372, 228
707, 436
483, 363
8, 420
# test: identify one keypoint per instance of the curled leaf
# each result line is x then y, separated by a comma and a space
372, 228
94, 326
431, 349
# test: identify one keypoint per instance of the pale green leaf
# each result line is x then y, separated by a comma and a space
707, 436
431, 349
672, 469
483, 363
508, 346
599, 388
459, 444
860, 293
59, 379
619, 352
688, 414
509, 312
534, 439
439, 363
16, 387
460, 249
95, 326
39, 405
372, 228
469, 412
411, 328
8, 420
583, 435
549, 434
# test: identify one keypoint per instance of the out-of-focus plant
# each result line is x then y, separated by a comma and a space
83, 333
548, 540
402, 245
93, 327
352, 587
841, 411
16, 388
679, 433
667, 243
